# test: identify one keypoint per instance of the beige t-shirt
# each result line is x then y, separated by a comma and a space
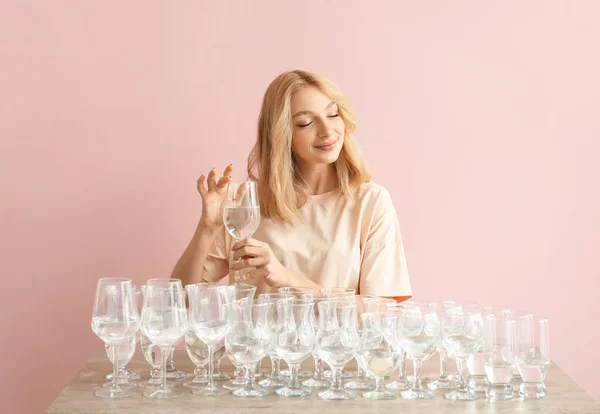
336, 243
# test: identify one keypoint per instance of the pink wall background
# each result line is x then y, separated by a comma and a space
481, 118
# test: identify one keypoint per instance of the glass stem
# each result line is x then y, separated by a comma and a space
417, 386
336, 379
360, 374
211, 350
115, 380
294, 369
164, 355
275, 364
249, 380
462, 384
199, 373
443, 363
171, 366
378, 384
402, 368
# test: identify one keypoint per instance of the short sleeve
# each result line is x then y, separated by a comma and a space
383, 270
216, 265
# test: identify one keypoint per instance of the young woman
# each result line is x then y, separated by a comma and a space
323, 223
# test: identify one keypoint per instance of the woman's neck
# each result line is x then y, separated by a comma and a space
321, 178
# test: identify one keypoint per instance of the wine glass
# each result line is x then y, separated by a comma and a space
533, 356
462, 331
242, 292
248, 341
294, 341
198, 353
164, 322
241, 211
376, 352
220, 353
402, 382
443, 381
273, 380
318, 379
499, 349
418, 332
300, 293
115, 319
209, 322
364, 304
337, 343
125, 352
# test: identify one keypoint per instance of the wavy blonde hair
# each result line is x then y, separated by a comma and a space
281, 188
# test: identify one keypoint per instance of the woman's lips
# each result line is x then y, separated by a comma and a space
327, 146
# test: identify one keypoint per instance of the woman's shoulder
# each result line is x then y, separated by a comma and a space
371, 191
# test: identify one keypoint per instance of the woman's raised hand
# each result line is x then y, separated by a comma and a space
213, 194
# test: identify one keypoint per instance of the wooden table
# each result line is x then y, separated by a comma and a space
564, 396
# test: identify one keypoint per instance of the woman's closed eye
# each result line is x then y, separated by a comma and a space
310, 123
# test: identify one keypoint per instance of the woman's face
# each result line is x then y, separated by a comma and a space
318, 130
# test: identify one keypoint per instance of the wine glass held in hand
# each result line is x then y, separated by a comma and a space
241, 211
115, 319
164, 322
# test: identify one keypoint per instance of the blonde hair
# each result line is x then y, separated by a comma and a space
281, 188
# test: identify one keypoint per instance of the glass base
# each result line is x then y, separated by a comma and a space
162, 394
441, 384
417, 395
131, 376
250, 393
477, 383
336, 395
532, 390
151, 383
360, 384
293, 392
301, 374
210, 392
272, 383
175, 375
222, 376
126, 386
236, 384
316, 383
196, 383
109, 393
461, 395
498, 392
379, 395
399, 385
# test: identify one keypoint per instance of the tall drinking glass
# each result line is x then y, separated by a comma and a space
533, 357
499, 348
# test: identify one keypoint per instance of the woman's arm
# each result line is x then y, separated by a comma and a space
190, 266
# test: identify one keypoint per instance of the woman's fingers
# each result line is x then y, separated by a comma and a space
200, 185
247, 252
247, 242
212, 184
252, 262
